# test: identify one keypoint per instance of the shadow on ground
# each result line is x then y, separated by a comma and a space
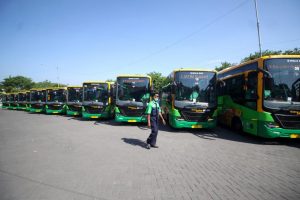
225, 133
135, 142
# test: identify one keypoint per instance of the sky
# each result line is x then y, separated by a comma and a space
72, 41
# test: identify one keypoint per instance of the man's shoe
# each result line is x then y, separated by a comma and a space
154, 146
148, 146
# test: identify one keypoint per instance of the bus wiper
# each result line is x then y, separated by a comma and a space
194, 106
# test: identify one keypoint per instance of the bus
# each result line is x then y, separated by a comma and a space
189, 99
132, 97
37, 100
262, 97
13, 101
4, 100
98, 100
74, 100
22, 101
55, 100
28, 100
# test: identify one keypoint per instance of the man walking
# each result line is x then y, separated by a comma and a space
153, 111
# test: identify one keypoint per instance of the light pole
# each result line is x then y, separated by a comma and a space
258, 32
57, 76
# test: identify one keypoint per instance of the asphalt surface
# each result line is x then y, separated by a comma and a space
58, 157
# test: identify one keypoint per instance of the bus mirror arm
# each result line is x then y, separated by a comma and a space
222, 83
266, 73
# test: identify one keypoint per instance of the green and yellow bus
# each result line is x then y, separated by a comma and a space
5, 100
74, 100
22, 101
262, 96
132, 97
55, 101
37, 100
189, 99
97, 100
13, 101
28, 101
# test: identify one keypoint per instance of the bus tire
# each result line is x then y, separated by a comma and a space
237, 125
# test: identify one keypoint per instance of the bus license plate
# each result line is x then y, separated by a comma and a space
94, 117
197, 126
295, 136
131, 120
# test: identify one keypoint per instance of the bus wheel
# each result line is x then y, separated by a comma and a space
236, 125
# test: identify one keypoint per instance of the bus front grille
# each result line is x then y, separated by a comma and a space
289, 121
37, 106
55, 107
194, 116
132, 112
75, 108
94, 110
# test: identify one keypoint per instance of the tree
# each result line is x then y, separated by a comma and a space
158, 80
295, 51
16, 83
47, 84
224, 65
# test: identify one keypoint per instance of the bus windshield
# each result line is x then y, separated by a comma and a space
74, 94
27, 96
56, 95
14, 97
135, 89
195, 87
282, 90
22, 97
37, 96
97, 92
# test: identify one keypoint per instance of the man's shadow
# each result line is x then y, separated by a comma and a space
135, 142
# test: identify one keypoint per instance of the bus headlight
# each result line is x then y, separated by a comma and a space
179, 119
272, 125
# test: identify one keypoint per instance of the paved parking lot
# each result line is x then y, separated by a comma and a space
59, 157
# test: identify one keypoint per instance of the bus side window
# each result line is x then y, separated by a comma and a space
251, 92
235, 88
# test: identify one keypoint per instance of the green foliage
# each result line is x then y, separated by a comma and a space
295, 51
16, 83
46, 84
19, 83
110, 80
158, 80
224, 65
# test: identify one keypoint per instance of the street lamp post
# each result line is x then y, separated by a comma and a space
257, 23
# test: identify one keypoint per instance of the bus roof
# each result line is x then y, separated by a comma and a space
94, 82
194, 70
133, 76
254, 60
56, 88
37, 89
74, 86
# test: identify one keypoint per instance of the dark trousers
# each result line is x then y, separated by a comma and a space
154, 131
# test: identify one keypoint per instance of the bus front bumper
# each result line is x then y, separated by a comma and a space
269, 132
87, 115
175, 123
36, 110
73, 113
121, 118
48, 111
